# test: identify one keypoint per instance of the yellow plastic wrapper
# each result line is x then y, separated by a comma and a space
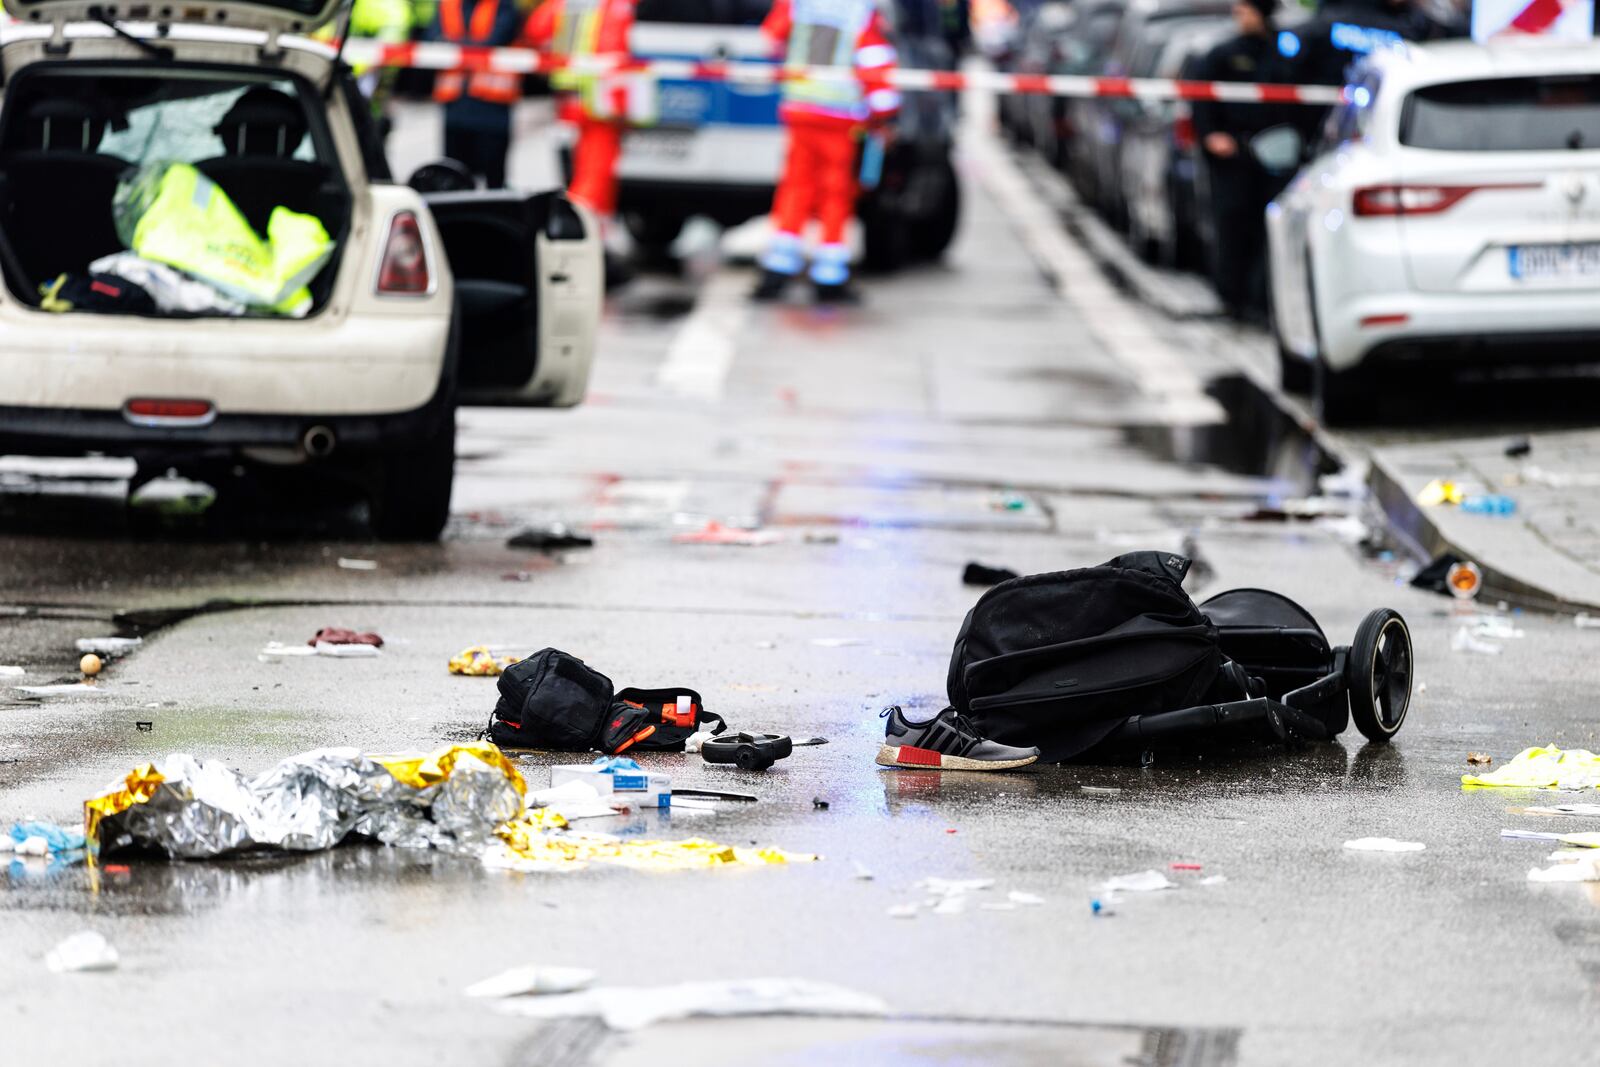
478, 662
1439, 492
1541, 768
528, 845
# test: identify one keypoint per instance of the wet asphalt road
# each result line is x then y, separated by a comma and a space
965, 413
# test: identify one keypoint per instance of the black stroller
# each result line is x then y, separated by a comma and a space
1108, 659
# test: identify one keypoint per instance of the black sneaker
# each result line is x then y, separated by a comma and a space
771, 286
947, 742
838, 295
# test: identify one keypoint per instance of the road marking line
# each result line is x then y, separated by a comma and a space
1110, 317
701, 355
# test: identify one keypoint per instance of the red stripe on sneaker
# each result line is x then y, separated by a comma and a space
922, 757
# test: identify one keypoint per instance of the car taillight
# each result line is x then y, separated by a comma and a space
1183, 133
404, 269
152, 411
1419, 199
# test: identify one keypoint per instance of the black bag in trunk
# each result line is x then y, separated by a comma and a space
1060, 660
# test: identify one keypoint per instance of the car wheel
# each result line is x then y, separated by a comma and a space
932, 235
411, 501
1342, 396
653, 232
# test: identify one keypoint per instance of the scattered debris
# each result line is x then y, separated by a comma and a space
1214, 879
837, 642
1027, 900
1584, 840
1586, 622
818, 804
89, 664
531, 844
1451, 575
1143, 882
1184, 866
714, 794
1466, 640
1008, 501
1518, 448
983, 574
623, 1008
1100, 909
615, 775
1548, 767
1497, 504
902, 911
1584, 810
821, 538
714, 533
64, 689
109, 646
747, 751
549, 538
1100, 790
479, 662
12, 672
1578, 868
1479, 759
335, 635
862, 873
276, 651
358, 564
532, 980
144, 726
1383, 844
1439, 492
454, 798
85, 951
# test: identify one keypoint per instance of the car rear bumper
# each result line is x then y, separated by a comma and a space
75, 431
332, 364
1526, 328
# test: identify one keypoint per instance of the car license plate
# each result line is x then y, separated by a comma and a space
1537, 262
659, 145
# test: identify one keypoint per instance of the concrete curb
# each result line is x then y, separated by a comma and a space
1519, 566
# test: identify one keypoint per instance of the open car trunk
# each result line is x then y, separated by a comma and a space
70, 132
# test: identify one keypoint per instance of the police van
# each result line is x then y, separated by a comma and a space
424, 301
717, 149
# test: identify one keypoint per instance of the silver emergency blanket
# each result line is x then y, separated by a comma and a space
195, 809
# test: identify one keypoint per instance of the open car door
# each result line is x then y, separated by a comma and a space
530, 277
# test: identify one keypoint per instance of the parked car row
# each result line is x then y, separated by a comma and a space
1447, 213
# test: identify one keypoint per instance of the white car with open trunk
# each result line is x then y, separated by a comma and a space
1451, 214
429, 298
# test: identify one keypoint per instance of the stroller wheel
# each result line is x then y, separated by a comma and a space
1378, 674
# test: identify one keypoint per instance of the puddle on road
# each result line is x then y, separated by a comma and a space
1258, 439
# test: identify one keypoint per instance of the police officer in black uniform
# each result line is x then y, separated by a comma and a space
1240, 187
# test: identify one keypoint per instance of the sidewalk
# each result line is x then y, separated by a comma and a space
1547, 554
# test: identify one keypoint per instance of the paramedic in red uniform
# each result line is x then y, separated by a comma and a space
601, 106
826, 118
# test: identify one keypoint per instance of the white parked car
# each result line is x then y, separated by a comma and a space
1451, 213
428, 300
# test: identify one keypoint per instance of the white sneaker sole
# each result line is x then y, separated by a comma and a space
925, 759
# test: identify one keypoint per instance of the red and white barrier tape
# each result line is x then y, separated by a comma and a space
434, 56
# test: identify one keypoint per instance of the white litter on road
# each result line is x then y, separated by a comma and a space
532, 980
86, 951
1031, 900
1383, 844
62, 690
1143, 882
358, 564
109, 646
1467, 641
275, 650
12, 672
633, 1008
1580, 868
